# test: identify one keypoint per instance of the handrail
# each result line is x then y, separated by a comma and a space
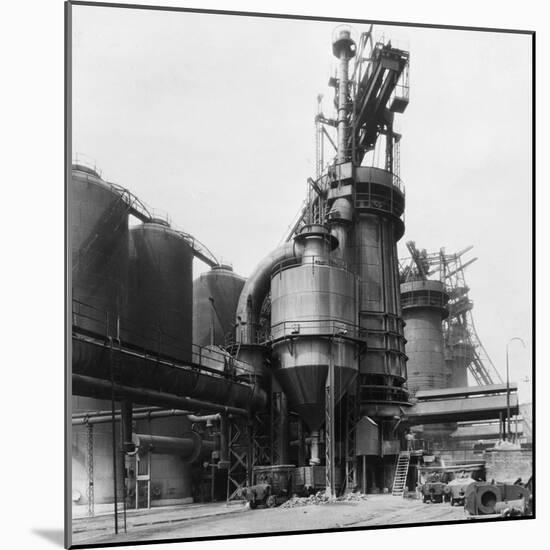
376, 201
146, 213
309, 261
436, 300
162, 344
312, 327
291, 229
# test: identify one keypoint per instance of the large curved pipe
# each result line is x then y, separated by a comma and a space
95, 387
255, 290
189, 447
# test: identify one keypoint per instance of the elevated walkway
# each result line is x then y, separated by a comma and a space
484, 431
462, 404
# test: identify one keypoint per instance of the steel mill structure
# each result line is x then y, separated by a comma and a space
187, 391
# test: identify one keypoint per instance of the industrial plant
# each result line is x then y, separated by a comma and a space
336, 370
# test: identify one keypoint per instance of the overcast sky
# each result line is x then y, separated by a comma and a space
210, 118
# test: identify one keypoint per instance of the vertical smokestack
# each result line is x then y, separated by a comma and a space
343, 48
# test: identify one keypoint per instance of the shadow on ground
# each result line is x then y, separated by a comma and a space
53, 535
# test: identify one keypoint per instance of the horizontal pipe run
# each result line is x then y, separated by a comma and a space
91, 414
94, 418
94, 387
204, 418
97, 419
189, 447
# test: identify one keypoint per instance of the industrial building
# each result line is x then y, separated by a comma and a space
314, 369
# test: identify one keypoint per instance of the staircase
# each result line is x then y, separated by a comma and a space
401, 471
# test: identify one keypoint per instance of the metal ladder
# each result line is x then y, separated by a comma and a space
401, 471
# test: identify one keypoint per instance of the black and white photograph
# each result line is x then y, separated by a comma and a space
299, 274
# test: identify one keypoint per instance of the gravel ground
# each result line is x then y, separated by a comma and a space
375, 510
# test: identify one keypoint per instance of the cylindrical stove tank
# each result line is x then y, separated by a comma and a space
379, 202
215, 297
160, 321
313, 323
459, 353
98, 235
423, 304
160, 310
424, 307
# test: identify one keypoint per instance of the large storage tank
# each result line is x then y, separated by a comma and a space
159, 320
215, 297
98, 235
160, 304
423, 304
313, 323
424, 307
379, 204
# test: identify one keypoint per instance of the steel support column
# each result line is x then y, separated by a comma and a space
260, 440
330, 447
90, 465
352, 416
279, 428
114, 367
239, 453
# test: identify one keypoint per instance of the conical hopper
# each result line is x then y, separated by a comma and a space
304, 386
311, 304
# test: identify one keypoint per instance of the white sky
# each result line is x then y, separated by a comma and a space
210, 118
33, 303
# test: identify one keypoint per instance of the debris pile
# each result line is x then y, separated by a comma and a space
321, 498
353, 497
318, 498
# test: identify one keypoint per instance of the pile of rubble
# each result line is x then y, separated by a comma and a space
321, 498
353, 497
318, 498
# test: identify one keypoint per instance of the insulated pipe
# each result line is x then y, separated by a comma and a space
101, 419
255, 290
204, 418
189, 447
314, 460
342, 107
343, 48
91, 414
340, 220
154, 413
96, 387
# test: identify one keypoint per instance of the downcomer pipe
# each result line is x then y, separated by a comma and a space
343, 48
255, 290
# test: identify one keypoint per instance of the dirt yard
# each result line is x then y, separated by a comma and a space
376, 510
